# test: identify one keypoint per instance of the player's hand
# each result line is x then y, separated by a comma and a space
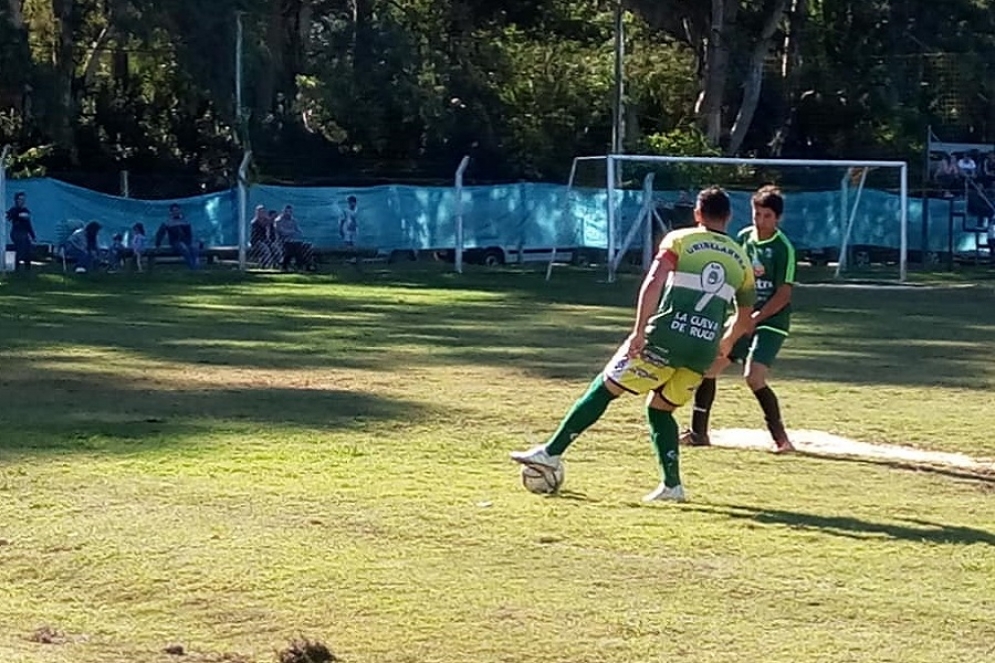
725, 346
635, 344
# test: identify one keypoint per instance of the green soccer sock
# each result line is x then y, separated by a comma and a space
582, 415
663, 432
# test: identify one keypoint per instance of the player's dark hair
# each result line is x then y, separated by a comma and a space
713, 202
770, 196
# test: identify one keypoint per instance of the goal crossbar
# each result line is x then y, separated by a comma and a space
612, 159
741, 161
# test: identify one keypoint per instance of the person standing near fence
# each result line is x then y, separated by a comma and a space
136, 242
349, 223
291, 237
179, 233
22, 233
262, 238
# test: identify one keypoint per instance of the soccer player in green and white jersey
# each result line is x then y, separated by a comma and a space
698, 275
773, 259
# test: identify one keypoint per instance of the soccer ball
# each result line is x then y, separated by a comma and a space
81, 270
543, 481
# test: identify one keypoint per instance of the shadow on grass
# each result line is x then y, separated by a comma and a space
563, 329
61, 409
916, 337
856, 528
265, 321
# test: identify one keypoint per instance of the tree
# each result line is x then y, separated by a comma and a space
732, 31
755, 75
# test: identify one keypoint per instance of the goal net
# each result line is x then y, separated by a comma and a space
848, 218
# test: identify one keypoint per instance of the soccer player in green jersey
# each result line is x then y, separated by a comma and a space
773, 260
698, 275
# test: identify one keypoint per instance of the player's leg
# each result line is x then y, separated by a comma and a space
704, 395
763, 351
660, 407
22, 251
621, 375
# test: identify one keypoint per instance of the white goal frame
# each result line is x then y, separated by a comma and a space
458, 212
3, 206
612, 162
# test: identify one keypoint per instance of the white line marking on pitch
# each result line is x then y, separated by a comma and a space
820, 443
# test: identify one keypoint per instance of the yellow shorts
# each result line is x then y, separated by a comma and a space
644, 374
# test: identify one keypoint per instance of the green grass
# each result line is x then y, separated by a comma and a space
229, 462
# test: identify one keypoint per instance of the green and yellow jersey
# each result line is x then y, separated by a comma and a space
711, 275
773, 262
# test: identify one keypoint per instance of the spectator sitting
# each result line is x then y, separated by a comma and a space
136, 242
987, 177
947, 174
180, 236
118, 249
262, 238
292, 239
81, 247
967, 166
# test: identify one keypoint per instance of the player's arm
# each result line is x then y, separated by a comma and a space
650, 292
780, 299
785, 280
742, 323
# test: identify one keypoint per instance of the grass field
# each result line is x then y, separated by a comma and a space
226, 463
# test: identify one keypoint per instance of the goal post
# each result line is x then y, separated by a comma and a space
458, 212
592, 183
243, 210
838, 212
645, 221
3, 204
850, 212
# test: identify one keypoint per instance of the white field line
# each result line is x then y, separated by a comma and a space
819, 443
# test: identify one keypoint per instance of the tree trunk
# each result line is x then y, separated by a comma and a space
296, 25
716, 69
362, 26
93, 55
15, 14
755, 77
791, 67
64, 65
15, 80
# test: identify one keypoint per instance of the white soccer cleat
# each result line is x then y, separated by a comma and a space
664, 493
536, 457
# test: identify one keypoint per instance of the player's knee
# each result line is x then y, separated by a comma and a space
655, 401
720, 364
756, 379
614, 388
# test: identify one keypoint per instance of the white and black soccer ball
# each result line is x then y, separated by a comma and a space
543, 480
